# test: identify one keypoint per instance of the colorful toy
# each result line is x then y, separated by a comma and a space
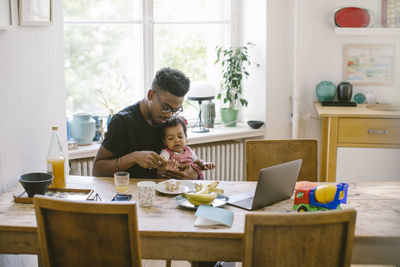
317, 198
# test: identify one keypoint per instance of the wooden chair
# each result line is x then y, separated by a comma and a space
76, 233
265, 153
299, 239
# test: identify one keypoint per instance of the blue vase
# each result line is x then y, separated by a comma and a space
326, 91
83, 128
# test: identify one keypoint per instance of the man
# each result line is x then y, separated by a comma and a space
134, 136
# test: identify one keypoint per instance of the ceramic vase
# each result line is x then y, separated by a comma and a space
209, 114
326, 91
83, 128
344, 91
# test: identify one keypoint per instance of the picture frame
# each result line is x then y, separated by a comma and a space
35, 12
369, 64
5, 14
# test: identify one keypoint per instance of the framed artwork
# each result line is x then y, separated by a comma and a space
35, 12
369, 64
5, 14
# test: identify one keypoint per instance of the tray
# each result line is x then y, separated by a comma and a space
64, 193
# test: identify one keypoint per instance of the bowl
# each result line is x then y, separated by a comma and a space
35, 182
255, 124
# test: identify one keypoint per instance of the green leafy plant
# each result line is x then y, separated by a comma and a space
234, 62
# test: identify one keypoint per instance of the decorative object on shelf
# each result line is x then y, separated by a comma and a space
369, 64
115, 94
344, 91
353, 17
234, 62
200, 91
209, 114
359, 98
391, 13
83, 128
5, 14
370, 97
255, 124
97, 135
35, 12
326, 91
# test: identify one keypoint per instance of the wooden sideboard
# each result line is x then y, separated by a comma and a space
358, 126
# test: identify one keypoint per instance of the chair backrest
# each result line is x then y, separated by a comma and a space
77, 233
322, 238
265, 153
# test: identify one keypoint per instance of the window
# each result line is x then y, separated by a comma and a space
114, 47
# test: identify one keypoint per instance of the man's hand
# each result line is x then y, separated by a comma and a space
185, 171
148, 159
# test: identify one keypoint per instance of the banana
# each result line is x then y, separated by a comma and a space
201, 197
197, 203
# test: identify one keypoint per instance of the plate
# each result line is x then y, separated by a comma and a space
218, 202
354, 17
185, 186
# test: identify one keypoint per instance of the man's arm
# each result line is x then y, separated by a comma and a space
106, 164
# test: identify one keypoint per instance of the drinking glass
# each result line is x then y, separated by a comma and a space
121, 181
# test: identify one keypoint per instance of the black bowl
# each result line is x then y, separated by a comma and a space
35, 182
255, 124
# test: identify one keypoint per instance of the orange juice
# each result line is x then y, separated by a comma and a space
55, 166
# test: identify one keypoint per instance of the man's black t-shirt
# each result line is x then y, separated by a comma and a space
127, 132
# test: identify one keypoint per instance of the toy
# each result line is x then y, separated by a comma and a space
325, 197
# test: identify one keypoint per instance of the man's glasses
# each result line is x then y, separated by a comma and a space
165, 108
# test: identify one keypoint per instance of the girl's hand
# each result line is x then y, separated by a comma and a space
205, 165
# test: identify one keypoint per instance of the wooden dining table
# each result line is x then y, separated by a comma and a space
167, 229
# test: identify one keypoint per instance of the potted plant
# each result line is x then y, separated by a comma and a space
234, 62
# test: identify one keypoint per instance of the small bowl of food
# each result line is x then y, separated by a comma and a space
35, 182
255, 124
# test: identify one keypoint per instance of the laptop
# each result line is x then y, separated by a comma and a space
275, 183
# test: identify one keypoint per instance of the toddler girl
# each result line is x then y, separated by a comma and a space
177, 153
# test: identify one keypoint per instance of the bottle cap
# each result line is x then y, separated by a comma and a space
54, 127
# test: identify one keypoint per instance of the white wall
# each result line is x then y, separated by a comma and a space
320, 58
32, 98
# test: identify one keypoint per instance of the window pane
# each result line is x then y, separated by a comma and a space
102, 9
191, 49
189, 9
102, 61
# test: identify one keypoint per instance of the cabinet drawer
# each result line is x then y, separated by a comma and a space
372, 131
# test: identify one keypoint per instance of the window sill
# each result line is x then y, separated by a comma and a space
219, 133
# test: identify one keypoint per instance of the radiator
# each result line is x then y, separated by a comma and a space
228, 157
82, 166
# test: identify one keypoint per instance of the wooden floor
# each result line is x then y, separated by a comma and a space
159, 263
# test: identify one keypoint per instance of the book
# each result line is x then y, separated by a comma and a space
211, 216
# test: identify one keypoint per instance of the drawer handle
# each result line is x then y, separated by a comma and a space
371, 131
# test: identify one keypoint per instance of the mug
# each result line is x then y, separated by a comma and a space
146, 193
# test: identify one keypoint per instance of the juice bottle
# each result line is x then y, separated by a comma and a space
56, 159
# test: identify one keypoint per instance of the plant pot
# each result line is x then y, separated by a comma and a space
229, 116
